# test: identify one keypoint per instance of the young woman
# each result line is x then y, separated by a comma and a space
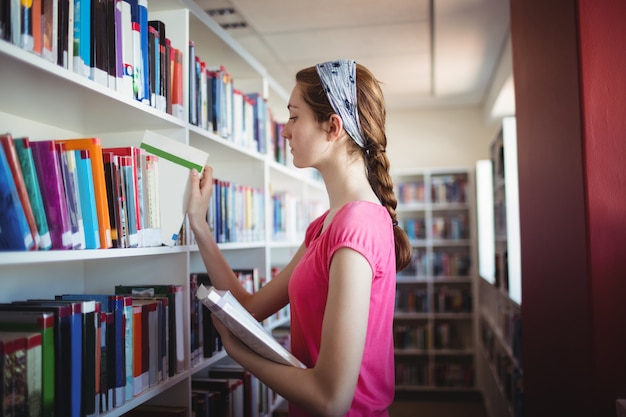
341, 282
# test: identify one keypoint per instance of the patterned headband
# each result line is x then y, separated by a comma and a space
339, 82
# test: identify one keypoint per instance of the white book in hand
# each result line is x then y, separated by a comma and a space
243, 325
176, 160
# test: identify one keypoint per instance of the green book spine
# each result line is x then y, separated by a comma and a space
25, 156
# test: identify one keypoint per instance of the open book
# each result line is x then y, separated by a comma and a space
245, 326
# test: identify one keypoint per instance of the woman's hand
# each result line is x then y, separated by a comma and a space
231, 343
201, 190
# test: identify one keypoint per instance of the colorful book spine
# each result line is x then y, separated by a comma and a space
20, 184
63, 352
128, 184
50, 178
82, 37
13, 378
67, 160
15, 233
130, 172
178, 108
127, 48
94, 146
99, 43
142, 10
25, 156
113, 199
176, 159
88, 199
175, 295
71, 349
64, 33
152, 231
26, 24
43, 323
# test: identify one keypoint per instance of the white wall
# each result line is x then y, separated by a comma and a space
446, 138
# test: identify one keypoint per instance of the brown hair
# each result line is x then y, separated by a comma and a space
372, 115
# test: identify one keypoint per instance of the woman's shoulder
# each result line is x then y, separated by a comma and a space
362, 207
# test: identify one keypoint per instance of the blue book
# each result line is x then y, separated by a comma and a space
116, 338
25, 156
87, 199
73, 328
72, 198
82, 37
143, 31
48, 169
90, 310
15, 233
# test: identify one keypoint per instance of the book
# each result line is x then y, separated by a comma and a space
87, 199
48, 166
176, 159
99, 69
239, 321
229, 369
174, 294
33, 373
152, 212
128, 167
64, 33
113, 373
128, 182
107, 355
149, 346
43, 323
160, 334
211, 340
126, 86
141, 348
112, 26
94, 146
74, 350
10, 153
26, 25
114, 199
67, 160
13, 366
226, 395
176, 59
82, 48
90, 343
63, 395
25, 156
15, 233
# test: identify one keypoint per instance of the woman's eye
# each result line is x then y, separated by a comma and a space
293, 119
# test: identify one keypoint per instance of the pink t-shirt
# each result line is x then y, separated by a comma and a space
366, 228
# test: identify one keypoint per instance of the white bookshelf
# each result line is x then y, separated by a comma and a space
41, 100
435, 323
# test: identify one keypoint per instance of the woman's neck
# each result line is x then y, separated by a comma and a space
347, 182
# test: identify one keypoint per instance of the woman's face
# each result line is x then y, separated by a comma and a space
307, 138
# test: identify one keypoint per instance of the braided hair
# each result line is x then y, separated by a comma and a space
372, 116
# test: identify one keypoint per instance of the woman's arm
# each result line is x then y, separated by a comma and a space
269, 299
328, 388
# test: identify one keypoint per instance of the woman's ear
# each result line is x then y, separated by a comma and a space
335, 126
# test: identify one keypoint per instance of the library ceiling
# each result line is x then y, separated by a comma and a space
427, 53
